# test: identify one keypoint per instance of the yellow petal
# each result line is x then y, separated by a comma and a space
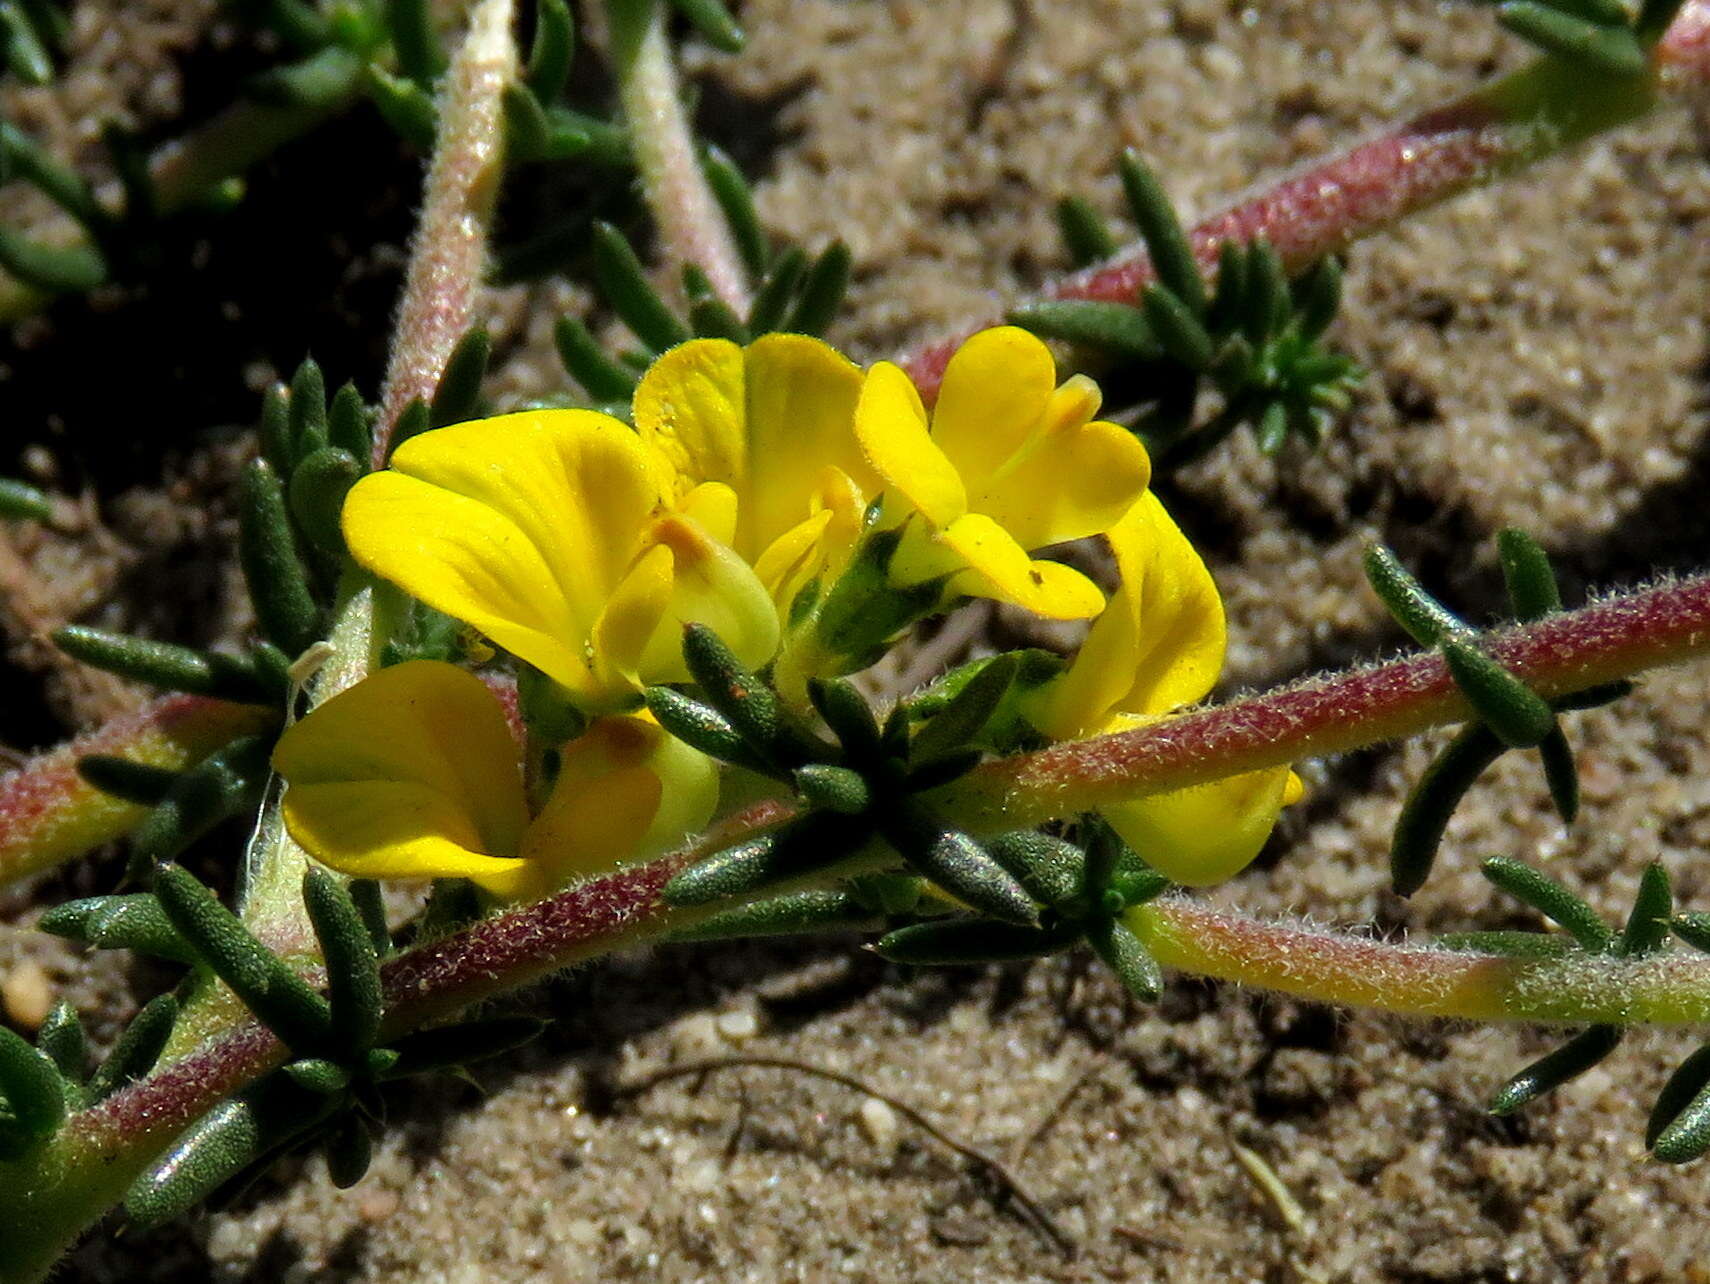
1000, 568
711, 585
1207, 833
520, 525
790, 560
689, 407
1077, 481
713, 507
995, 391
1181, 632
632, 617
625, 791
891, 425
411, 773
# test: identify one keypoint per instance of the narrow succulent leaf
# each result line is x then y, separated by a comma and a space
278, 582
715, 319
1648, 922
52, 269
349, 1150
801, 848
1560, 774
136, 782
137, 1049
1613, 51
404, 105
1268, 300
747, 703
22, 503
448, 1047
1425, 815
848, 715
836, 789
457, 398
308, 410
552, 50
1086, 236
624, 285
1114, 327
773, 297
528, 132
1426, 619
959, 941
1527, 574
31, 163
1054, 872
316, 494
349, 424
1316, 295
1179, 331
1166, 242
1126, 955
800, 914
966, 714
1693, 928
223, 784
318, 1075
1605, 13
958, 864
821, 292
736, 199
133, 922
414, 420
1272, 428
601, 378
414, 41
1518, 715
166, 664
221, 1145
276, 995
370, 903
700, 726
889, 894
274, 432
1518, 945
61, 1040
1687, 1136
929, 773
1569, 1061
713, 21
1136, 887
1594, 697
1684, 1087
1552, 900
31, 1086
26, 57
352, 964
1228, 303
1655, 18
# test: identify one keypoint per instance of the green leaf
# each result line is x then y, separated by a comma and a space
803, 847
1527, 574
713, 21
1613, 51
404, 105
450, 1046
773, 297
1648, 922
552, 50
624, 285
1552, 900
798, 914
414, 41
736, 199
61, 1040
353, 965
225, 783
848, 715
1229, 303
1126, 955
1425, 815
23, 503
278, 582
1694, 929
957, 864
1315, 296
954, 942
1426, 619
137, 1050
601, 377
747, 703
276, 995
835, 789
31, 1086
1166, 242
413, 421
965, 715
1518, 715
26, 58
1267, 295
318, 487
349, 425
1085, 234
1683, 1089
1560, 774
821, 292
457, 398
1178, 329
349, 1150
371, 905
133, 922
1052, 871
1518, 945
307, 411
1569, 1061
1115, 327
274, 432
52, 269
31, 163
318, 1075
133, 781
700, 726
167, 665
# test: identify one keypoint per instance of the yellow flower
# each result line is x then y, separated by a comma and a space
773, 423
414, 773
1008, 462
559, 535
1159, 646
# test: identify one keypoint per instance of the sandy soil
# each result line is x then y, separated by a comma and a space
1537, 357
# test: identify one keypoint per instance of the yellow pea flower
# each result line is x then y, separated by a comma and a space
774, 424
1007, 462
565, 540
414, 773
1157, 647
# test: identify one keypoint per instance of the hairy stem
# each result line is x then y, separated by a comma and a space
1501, 127
692, 227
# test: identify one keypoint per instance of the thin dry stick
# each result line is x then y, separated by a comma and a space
1001, 1173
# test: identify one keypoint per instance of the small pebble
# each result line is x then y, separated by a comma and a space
879, 1122
739, 1025
27, 995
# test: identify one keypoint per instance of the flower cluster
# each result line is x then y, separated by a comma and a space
806, 512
